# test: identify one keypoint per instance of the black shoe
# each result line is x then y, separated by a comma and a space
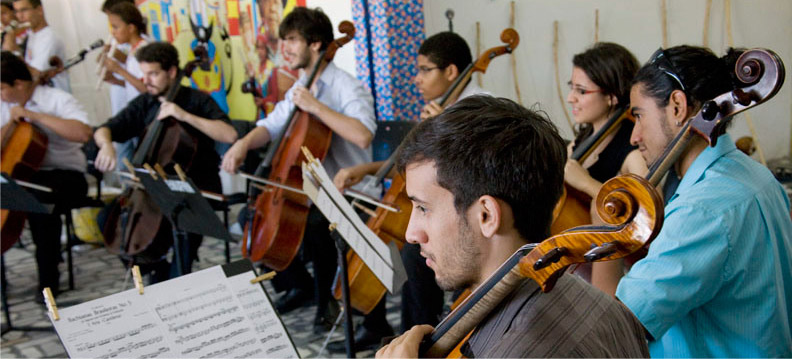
365, 339
324, 319
293, 299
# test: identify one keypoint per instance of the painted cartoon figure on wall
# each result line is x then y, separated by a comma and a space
236, 33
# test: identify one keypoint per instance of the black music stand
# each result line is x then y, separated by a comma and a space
186, 209
15, 198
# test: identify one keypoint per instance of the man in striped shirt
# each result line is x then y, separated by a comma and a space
484, 177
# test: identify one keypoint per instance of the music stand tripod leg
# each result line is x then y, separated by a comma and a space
341, 248
4, 298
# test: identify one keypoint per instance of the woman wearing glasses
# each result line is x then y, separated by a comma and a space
599, 90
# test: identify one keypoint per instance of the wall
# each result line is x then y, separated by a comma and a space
634, 24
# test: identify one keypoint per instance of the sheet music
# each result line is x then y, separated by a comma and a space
201, 315
383, 259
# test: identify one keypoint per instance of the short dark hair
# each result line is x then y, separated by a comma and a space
704, 75
312, 24
8, 4
33, 3
483, 145
12, 68
129, 14
446, 48
159, 52
108, 4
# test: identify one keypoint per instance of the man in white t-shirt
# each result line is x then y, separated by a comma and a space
58, 115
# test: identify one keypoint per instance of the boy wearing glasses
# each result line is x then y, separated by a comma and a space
716, 281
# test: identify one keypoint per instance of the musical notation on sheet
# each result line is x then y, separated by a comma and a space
201, 315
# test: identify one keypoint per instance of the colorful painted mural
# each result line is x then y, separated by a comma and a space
230, 30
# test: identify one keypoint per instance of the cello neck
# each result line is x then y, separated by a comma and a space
275, 144
456, 87
589, 144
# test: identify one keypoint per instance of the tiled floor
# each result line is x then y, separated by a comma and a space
97, 274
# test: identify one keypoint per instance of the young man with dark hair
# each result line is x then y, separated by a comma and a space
468, 224
441, 60
338, 100
42, 42
63, 120
716, 281
196, 112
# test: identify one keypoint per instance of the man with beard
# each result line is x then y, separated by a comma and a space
468, 225
196, 111
339, 101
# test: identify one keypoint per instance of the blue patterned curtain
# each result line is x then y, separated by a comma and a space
388, 35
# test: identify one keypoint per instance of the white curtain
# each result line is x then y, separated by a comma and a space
79, 23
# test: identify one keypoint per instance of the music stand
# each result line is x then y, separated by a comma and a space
15, 198
346, 228
186, 209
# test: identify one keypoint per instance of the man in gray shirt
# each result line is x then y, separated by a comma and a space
484, 177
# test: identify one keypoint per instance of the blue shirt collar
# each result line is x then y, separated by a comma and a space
325, 78
704, 160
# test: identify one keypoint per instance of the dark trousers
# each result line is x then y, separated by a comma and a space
68, 187
163, 270
317, 247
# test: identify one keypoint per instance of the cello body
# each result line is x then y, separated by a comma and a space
280, 216
132, 226
23, 152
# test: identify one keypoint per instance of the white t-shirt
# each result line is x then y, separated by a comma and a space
61, 153
133, 67
41, 46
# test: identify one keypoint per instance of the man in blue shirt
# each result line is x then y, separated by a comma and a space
340, 102
716, 281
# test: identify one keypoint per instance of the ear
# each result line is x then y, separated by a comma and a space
315, 46
489, 215
678, 107
173, 72
451, 72
613, 101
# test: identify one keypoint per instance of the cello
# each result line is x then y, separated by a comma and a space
132, 225
630, 205
23, 151
366, 290
274, 233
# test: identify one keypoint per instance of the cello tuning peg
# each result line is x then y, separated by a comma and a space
553, 256
601, 251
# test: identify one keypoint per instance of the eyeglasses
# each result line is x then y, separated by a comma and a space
660, 60
581, 91
423, 69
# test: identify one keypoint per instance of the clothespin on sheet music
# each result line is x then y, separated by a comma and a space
150, 171
160, 171
49, 301
180, 172
263, 277
137, 278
